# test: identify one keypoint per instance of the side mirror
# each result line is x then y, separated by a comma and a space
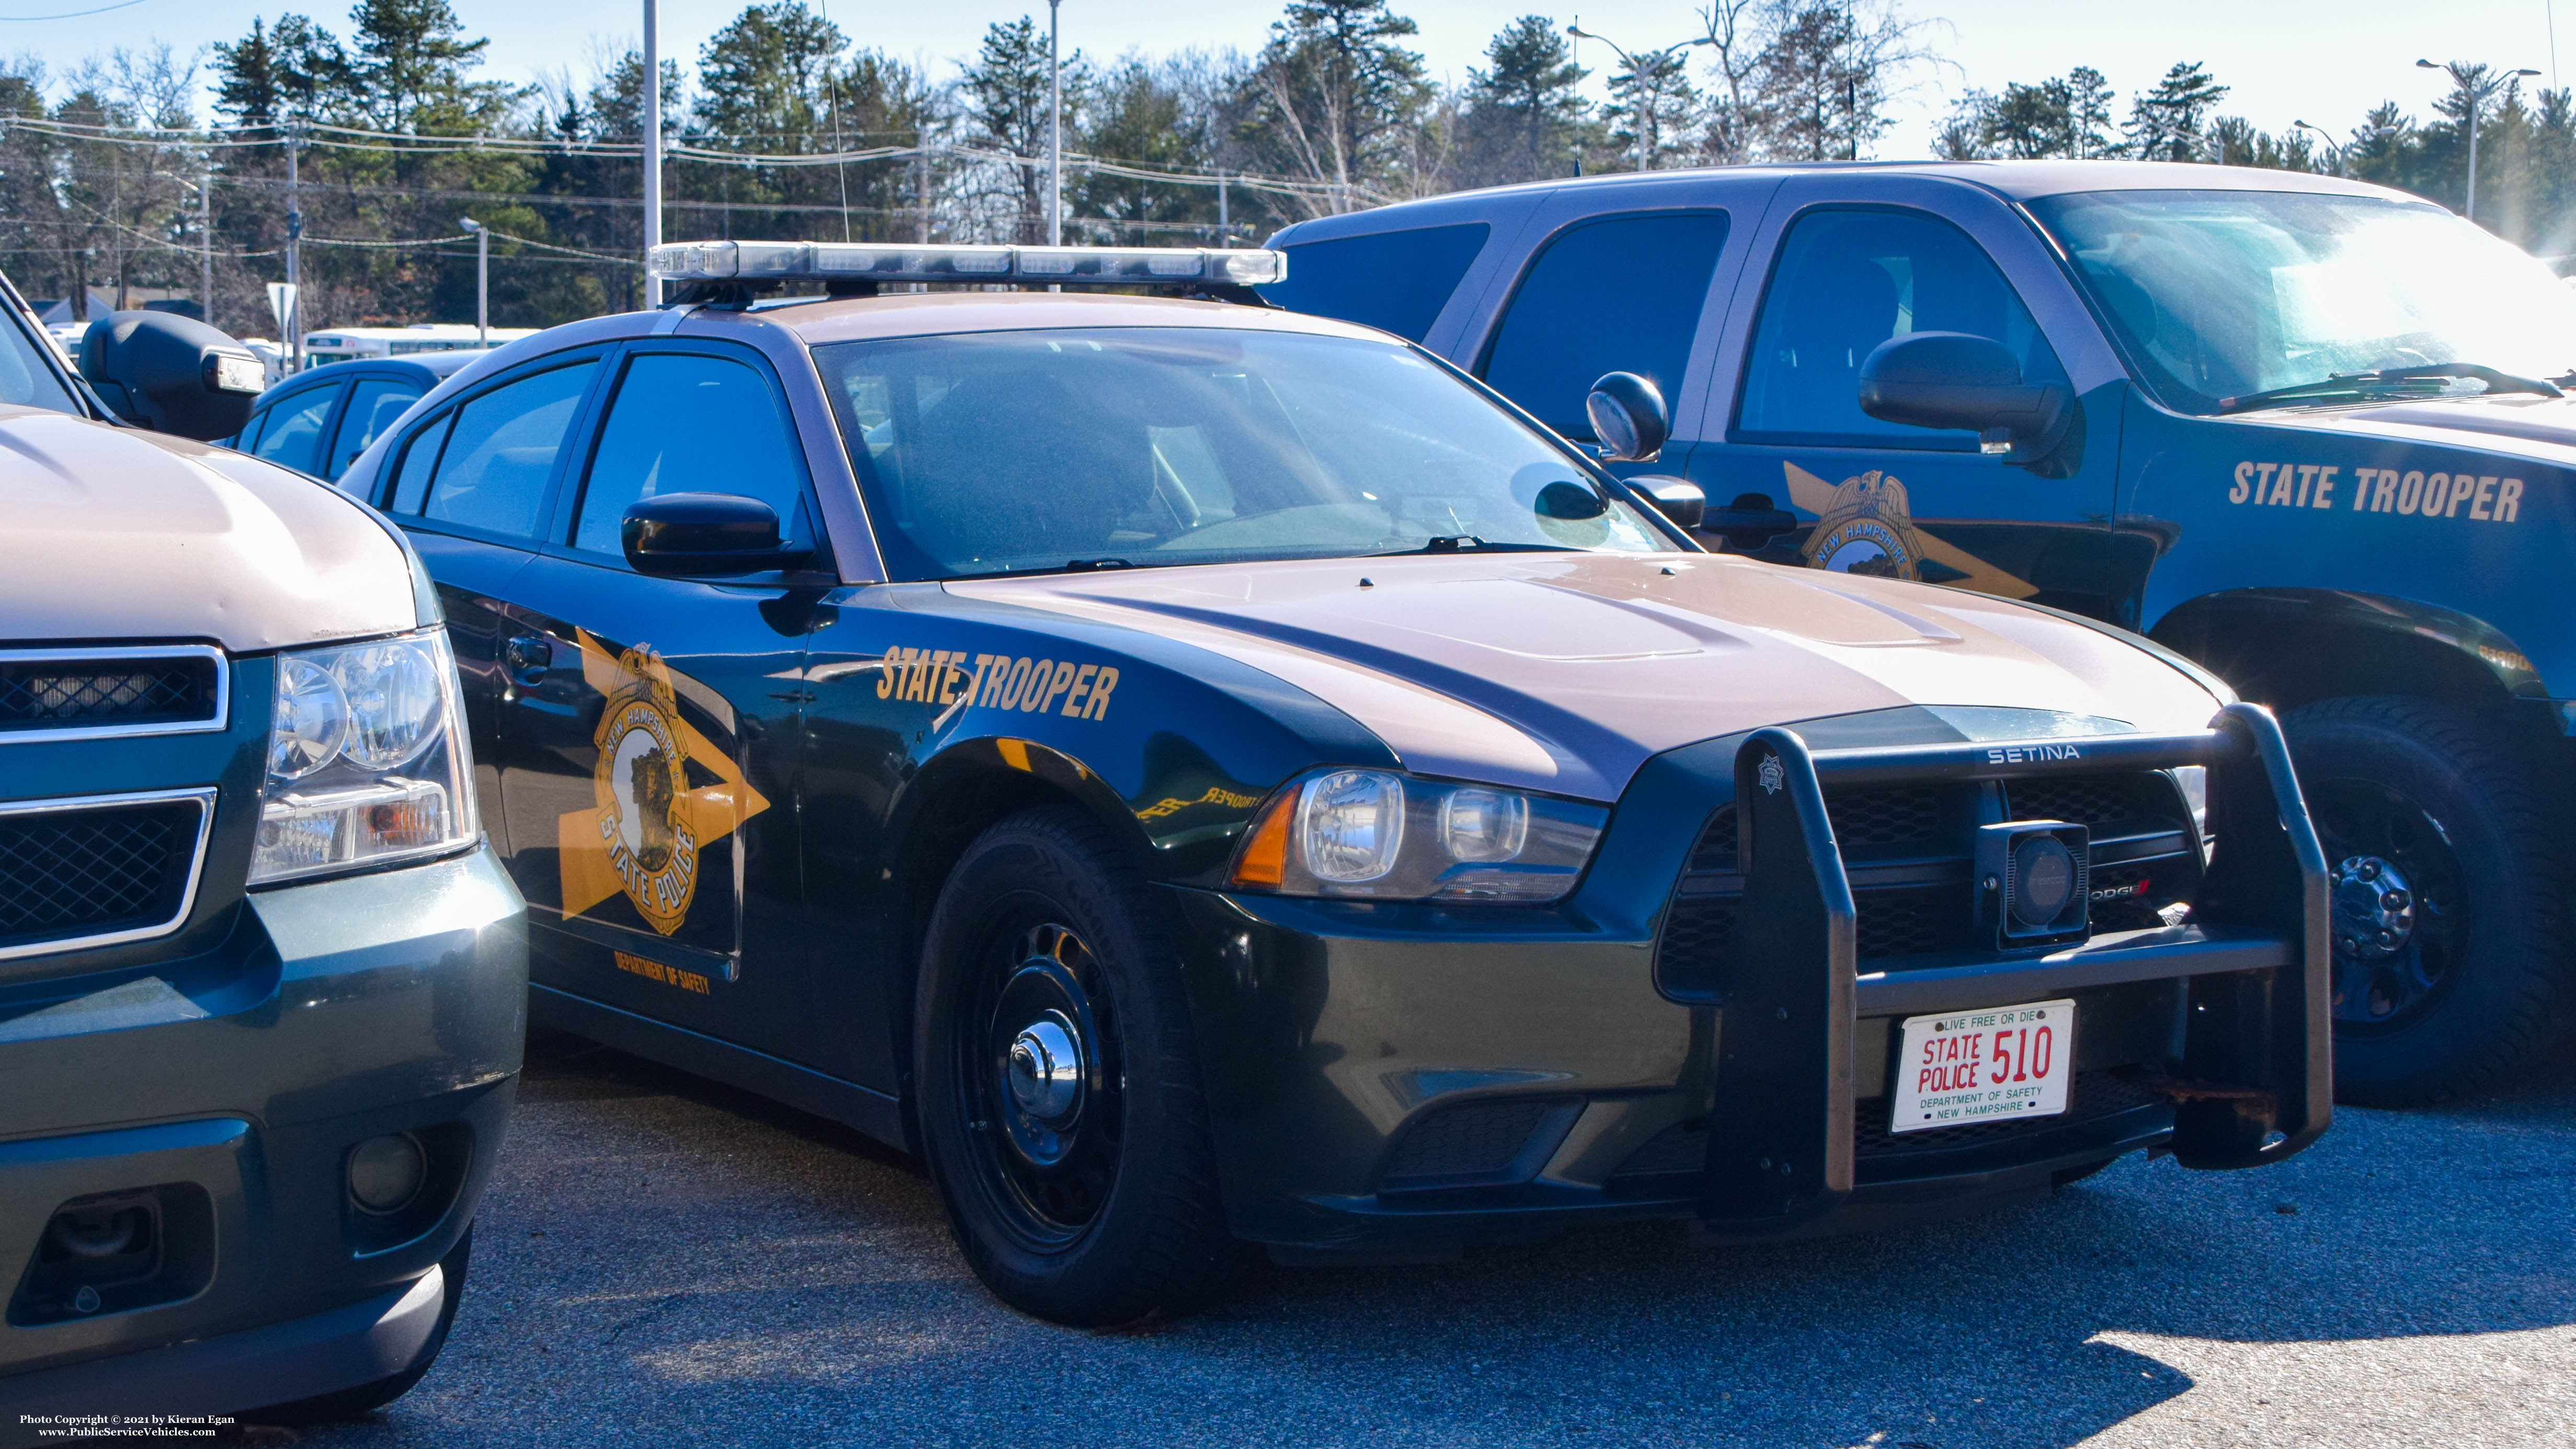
1678, 499
689, 535
1629, 417
171, 374
1954, 380
1749, 522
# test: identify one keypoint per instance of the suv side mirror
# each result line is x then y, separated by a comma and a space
1678, 499
1629, 417
171, 374
1955, 380
688, 535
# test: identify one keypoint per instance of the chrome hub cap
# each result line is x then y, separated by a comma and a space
1045, 1068
2374, 909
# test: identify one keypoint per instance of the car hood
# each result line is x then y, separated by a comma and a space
1565, 672
2543, 428
114, 533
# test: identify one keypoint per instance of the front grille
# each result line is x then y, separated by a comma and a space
59, 690
1471, 1141
2089, 1096
1910, 851
69, 874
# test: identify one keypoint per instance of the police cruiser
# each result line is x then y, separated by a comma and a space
1204, 776
2308, 432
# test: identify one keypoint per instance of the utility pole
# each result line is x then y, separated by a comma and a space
206, 239
2473, 91
294, 249
1055, 131
652, 146
921, 145
482, 281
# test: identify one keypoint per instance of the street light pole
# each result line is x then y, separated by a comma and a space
482, 281
2474, 92
294, 250
2333, 151
1055, 131
652, 146
1646, 68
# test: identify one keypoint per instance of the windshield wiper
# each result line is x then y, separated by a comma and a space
2355, 384
1470, 543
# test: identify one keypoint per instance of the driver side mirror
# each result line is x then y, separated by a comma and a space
171, 374
1955, 380
697, 535
1629, 417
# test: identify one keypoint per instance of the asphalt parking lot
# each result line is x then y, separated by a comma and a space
664, 1261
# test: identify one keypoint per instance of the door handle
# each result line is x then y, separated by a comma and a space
527, 657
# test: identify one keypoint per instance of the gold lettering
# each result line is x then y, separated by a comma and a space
1063, 681
1081, 687
2384, 497
2486, 492
2410, 493
1033, 698
1098, 708
996, 678
2436, 488
2508, 500
2462, 485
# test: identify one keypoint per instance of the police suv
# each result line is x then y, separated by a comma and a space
2307, 432
1206, 776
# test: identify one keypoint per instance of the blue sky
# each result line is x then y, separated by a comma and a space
2322, 63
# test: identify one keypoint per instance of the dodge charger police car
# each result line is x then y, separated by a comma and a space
1204, 776
2306, 431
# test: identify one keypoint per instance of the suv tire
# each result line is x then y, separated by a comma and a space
1057, 1081
2445, 803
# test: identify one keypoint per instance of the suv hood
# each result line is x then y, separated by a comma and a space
115, 534
2541, 428
1565, 672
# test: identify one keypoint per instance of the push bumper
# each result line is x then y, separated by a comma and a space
1406, 1079
221, 1095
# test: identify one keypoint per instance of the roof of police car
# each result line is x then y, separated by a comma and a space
921, 314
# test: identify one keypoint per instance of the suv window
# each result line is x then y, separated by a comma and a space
684, 423
1847, 281
373, 406
1396, 280
494, 469
293, 431
1618, 295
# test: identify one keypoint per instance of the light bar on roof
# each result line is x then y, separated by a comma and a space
757, 261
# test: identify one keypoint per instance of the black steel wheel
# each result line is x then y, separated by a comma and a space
2449, 965
1057, 1085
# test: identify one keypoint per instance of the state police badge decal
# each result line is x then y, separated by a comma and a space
1867, 528
639, 782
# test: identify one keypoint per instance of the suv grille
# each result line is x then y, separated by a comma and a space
69, 875
1910, 849
68, 690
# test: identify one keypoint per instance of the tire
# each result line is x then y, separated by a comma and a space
2445, 807
364, 1399
1082, 1190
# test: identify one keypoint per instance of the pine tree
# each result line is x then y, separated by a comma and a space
1524, 118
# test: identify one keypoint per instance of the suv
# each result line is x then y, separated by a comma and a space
261, 983
2305, 431
1202, 775
320, 420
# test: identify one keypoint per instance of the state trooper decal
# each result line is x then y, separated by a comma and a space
1867, 529
646, 833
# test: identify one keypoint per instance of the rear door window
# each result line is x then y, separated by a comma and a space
1395, 280
685, 423
1846, 281
502, 450
1622, 294
293, 434
373, 406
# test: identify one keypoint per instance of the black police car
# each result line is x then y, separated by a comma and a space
1201, 774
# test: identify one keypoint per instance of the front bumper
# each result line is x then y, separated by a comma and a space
225, 1091
1408, 1078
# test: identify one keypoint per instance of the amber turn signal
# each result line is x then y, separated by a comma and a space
1263, 861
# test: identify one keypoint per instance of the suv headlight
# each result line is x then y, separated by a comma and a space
1378, 834
367, 760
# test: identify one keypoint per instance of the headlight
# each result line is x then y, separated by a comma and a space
1378, 834
367, 760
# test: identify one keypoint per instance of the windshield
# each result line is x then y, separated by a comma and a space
2224, 294
25, 377
1003, 452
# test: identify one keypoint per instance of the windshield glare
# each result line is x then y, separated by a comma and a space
25, 377
2221, 294
1003, 452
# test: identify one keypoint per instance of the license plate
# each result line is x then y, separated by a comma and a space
1994, 1064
